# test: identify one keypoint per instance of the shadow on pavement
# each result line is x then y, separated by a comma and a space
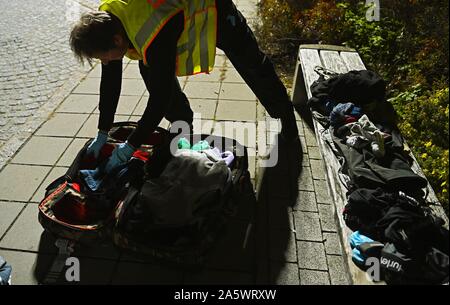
253, 248
230, 261
278, 192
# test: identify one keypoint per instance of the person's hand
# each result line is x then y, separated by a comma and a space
120, 155
97, 144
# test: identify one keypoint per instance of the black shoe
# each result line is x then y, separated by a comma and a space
289, 130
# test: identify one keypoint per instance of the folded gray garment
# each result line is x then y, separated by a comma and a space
189, 180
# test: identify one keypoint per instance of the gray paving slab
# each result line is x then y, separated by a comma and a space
26, 232
229, 254
10, 211
314, 277
252, 164
142, 104
88, 86
305, 148
277, 186
232, 76
314, 153
311, 255
232, 91
132, 87
307, 226
97, 70
71, 152
332, 243
300, 128
318, 169
42, 150
127, 103
280, 216
322, 192
282, 245
203, 126
55, 173
244, 133
305, 160
228, 110
339, 274
205, 108
273, 124
305, 180
132, 71
284, 274
19, 182
220, 59
310, 137
62, 124
202, 90
79, 103
27, 268
306, 201
89, 129
327, 217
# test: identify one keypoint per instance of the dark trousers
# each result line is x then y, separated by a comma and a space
238, 42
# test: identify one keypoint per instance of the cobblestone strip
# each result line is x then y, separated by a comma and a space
37, 68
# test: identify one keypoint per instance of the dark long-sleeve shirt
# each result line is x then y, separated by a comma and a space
158, 76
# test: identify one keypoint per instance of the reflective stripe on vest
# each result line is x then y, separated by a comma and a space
143, 19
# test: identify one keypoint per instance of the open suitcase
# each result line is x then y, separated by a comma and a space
73, 212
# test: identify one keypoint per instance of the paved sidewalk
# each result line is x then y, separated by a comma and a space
294, 239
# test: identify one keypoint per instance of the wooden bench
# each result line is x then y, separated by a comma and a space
341, 60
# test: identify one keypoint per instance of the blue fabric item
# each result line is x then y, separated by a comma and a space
357, 257
5, 272
356, 112
183, 143
96, 178
357, 239
97, 144
201, 145
337, 115
120, 155
93, 178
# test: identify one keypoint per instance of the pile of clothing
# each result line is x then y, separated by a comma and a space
194, 181
387, 208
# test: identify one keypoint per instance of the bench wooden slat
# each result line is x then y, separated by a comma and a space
353, 61
332, 61
309, 59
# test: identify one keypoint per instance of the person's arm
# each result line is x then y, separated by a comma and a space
159, 78
110, 86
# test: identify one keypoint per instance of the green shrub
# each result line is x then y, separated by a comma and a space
424, 123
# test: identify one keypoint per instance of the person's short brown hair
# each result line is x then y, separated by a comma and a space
93, 33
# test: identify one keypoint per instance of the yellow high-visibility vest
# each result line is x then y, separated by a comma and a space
143, 19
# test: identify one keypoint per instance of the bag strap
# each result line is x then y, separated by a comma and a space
324, 72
